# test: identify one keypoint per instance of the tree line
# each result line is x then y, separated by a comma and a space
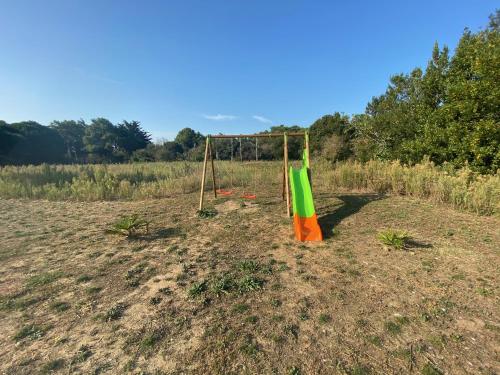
448, 112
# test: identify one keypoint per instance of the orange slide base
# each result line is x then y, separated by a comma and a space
307, 228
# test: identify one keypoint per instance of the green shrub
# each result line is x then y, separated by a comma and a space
394, 238
129, 225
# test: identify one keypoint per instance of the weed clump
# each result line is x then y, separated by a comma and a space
32, 332
197, 289
206, 213
250, 283
394, 238
129, 225
60, 306
115, 313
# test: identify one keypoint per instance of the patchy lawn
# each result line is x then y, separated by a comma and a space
235, 294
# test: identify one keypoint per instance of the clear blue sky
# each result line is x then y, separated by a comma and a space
216, 66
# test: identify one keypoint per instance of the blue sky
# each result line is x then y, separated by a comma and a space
216, 66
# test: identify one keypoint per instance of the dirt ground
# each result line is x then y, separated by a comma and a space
235, 294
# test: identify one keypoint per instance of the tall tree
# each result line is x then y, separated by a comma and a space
9, 137
132, 136
331, 136
35, 144
101, 141
72, 132
188, 139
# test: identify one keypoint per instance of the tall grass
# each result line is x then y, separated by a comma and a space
462, 189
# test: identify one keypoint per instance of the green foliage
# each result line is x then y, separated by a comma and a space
331, 135
430, 369
31, 332
392, 327
188, 139
72, 133
248, 266
394, 238
43, 279
449, 112
206, 213
222, 284
53, 366
129, 225
115, 313
30, 143
250, 283
60, 306
324, 318
197, 289
101, 141
83, 353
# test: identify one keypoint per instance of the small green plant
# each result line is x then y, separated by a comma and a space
375, 340
93, 289
392, 327
43, 279
83, 278
250, 283
303, 315
292, 329
248, 266
151, 339
430, 369
394, 238
294, 371
250, 347
275, 302
197, 289
129, 225
83, 354
240, 307
60, 306
52, 366
206, 213
155, 300
222, 285
251, 319
325, 318
31, 332
115, 313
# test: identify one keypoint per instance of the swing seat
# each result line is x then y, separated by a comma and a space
249, 196
224, 192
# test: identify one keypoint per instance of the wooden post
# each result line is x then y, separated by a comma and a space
284, 179
287, 187
241, 152
213, 170
308, 158
232, 149
204, 173
256, 149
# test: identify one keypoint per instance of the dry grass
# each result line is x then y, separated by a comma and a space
462, 189
234, 293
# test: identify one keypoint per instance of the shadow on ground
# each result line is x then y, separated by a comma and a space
159, 233
414, 244
350, 205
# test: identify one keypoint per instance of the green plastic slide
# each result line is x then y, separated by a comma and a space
305, 221
302, 199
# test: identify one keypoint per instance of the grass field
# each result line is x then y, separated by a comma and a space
461, 189
235, 294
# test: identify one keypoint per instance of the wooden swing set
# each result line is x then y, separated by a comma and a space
209, 156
